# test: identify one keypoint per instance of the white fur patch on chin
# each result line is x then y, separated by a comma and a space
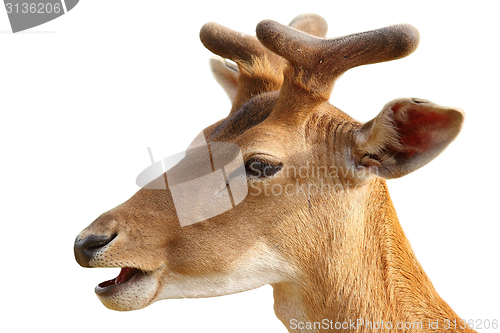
260, 266
133, 296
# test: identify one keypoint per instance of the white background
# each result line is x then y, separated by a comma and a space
83, 96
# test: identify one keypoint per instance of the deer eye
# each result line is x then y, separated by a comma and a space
260, 168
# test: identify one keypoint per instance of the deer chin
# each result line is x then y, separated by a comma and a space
132, 289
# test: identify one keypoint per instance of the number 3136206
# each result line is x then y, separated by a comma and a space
33, 8
473, 324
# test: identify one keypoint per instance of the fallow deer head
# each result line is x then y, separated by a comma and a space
317, 222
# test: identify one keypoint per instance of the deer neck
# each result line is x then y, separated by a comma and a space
363, 271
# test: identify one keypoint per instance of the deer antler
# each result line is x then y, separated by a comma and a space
316, 62
260, 69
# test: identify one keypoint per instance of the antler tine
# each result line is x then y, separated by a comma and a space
231, 44
237, 46
318, 62
260, 70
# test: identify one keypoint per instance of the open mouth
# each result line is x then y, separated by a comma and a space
126, 275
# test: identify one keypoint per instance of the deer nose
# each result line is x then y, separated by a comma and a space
86, 248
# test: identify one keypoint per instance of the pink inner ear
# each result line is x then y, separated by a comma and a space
407, 134
420, 129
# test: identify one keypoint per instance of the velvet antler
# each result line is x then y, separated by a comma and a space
315, 63
260, 69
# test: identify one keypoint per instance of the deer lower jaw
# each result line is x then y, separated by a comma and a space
132, 289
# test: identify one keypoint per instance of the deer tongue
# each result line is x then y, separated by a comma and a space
126, 274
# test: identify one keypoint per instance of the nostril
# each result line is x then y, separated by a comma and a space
87, 247
96, 242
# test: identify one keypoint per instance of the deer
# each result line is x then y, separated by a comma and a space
326, 238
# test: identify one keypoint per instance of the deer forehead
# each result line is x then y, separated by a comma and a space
255, 132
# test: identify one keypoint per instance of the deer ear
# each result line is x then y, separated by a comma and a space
406, 135
226, 75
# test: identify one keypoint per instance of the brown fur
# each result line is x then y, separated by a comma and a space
342, 253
